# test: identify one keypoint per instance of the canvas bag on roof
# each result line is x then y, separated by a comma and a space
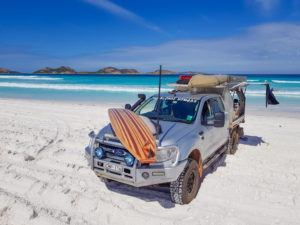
201, 81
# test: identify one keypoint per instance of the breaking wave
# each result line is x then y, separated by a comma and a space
107, 88
29, 77
125, 88
252, 80
286, 81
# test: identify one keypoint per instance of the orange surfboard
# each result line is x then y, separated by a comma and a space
134, 134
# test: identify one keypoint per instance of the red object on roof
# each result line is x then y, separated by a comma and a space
185, 77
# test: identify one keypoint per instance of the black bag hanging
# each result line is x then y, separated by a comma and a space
270, 97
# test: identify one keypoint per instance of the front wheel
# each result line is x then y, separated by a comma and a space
186, 187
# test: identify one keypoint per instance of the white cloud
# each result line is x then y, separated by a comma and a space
122, 12
266, 48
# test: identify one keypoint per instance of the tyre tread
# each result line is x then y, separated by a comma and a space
176, 187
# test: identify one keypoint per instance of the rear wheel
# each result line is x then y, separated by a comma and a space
186, 187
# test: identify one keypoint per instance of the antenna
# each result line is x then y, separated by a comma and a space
158, 102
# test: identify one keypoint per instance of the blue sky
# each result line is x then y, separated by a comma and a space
246, 36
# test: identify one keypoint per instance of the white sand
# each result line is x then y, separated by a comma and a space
44, 177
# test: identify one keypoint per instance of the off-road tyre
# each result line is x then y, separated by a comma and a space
233, 141
187, 185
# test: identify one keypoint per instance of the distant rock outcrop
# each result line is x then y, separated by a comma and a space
129, 71
113, 70
59, 70
156, 72
109, 70
7, 71
105, 70
191, 72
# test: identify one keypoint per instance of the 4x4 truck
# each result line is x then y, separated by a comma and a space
171, 137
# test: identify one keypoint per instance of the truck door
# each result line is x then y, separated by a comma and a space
213, 137
220, 133
206, 131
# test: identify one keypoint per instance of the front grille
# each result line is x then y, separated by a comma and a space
115, 154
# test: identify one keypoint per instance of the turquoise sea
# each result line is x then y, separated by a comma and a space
124, 88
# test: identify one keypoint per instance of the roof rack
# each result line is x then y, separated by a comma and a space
199, 82
203, 83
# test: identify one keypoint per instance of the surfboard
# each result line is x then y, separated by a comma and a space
134, 134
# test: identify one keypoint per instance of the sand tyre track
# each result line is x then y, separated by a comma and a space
62, 132
187, 185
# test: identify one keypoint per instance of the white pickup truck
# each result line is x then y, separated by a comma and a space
198, 121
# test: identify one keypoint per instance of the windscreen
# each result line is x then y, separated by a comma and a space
173, 109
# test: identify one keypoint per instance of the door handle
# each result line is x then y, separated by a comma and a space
201, 133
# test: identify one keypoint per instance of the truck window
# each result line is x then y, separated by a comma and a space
207, 115
148, 107
210, 107
216, 105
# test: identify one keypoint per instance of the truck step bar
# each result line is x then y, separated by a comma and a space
213, 158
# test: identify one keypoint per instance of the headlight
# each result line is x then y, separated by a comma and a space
167, 153
129, 160
99, 152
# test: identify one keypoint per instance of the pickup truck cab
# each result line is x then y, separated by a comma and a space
194, 129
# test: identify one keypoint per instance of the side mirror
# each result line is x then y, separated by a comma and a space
128, 106
219, 120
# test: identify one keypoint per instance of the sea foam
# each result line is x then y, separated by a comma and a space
107, 88
28, 77
277, 93
286, 81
